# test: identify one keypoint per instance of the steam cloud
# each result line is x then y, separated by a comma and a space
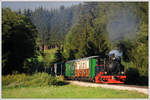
116, 52
123, 24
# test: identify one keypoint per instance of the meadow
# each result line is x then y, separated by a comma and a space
67, 91
40, 86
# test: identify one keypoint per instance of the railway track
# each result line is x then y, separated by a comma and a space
141, 89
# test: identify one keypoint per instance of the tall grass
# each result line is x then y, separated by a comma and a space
35, 80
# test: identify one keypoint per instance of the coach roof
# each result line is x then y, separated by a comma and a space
82, 59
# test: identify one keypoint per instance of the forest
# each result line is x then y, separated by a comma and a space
30, 37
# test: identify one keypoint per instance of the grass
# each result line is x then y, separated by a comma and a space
43, 85
35, 80
68, 91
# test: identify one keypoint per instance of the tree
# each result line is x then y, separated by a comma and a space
87, 38
18, 41
140, 53
41, 19
58, 56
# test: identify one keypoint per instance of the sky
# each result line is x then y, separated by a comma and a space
32, 5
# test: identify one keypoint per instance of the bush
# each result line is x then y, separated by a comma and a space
60, 81
35, 80
132, 76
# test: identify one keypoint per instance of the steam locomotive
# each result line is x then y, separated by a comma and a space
97, 69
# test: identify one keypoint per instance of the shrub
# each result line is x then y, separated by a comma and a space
132, 76
60, 78
35, 80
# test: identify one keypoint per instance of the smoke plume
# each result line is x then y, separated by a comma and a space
123, 24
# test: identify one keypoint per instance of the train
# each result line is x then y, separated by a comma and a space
97, 69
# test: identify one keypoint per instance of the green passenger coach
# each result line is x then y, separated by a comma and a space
81, 68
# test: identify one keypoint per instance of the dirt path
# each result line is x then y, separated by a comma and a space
118, 87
